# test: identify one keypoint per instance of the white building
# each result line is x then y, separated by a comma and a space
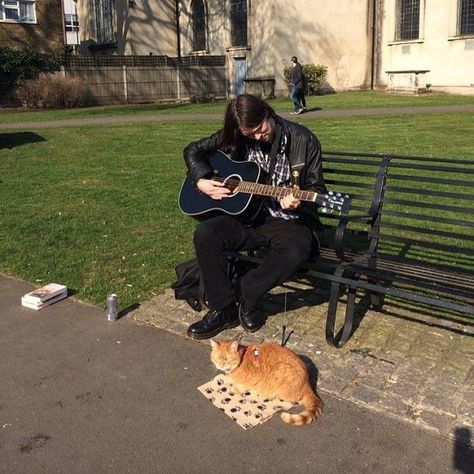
405, 45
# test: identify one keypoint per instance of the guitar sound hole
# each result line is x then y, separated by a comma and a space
232, 182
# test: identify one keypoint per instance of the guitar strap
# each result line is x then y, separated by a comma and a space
274, 152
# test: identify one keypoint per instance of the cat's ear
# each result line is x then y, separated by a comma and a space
234, 346
214, 344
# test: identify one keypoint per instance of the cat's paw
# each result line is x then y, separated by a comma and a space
238, 389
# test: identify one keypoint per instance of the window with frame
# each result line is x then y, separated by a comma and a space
199, 25
408, 20
466, 17
21, 11
238, 22
104, 16
71, 22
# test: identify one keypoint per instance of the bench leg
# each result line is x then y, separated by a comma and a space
376, 299
332, 307
349, 318
344, 334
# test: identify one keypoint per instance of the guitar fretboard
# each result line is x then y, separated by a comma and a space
268, 190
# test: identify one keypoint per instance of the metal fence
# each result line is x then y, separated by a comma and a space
134, 79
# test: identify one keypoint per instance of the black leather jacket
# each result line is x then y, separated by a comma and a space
303, 154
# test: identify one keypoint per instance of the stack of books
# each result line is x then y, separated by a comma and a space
44, 296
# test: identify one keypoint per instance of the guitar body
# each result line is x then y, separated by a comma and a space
245, 206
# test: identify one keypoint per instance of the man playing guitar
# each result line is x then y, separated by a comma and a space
290, 156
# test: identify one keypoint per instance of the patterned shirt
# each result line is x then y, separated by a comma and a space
259, 153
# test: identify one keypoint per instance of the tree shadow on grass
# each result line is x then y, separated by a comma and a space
14, 139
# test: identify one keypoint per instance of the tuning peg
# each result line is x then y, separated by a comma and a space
338, 195
331, 193
324, 210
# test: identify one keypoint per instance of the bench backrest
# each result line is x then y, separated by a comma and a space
428, 213
422, 228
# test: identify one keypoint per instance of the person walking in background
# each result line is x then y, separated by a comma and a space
298, 84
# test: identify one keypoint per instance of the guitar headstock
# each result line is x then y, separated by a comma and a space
334, 202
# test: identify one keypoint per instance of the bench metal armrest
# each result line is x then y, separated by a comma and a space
371, 218
341, 229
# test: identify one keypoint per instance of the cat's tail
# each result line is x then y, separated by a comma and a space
313, 408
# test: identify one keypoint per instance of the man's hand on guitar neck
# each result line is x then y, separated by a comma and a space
289, 201
218, 191
214, 189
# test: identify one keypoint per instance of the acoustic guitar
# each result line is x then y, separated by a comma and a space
242, 179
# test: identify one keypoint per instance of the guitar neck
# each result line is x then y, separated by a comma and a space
274, 191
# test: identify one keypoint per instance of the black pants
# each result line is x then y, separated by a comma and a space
289, 242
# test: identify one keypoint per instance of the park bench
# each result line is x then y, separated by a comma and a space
408, 236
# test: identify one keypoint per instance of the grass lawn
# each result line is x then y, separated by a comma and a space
95, 207
343, 100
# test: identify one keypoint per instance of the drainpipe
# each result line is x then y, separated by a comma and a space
64, 28
373, 46
178, 35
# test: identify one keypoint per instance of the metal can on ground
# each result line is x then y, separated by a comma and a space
112, 307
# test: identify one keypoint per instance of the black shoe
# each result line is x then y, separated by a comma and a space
214, 322
251, 319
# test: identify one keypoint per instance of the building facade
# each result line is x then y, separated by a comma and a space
403, 45
38, 23
426, 44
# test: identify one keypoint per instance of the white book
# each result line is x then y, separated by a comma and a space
45, 293
40, 305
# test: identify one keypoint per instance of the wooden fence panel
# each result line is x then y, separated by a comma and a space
203, 82
115, 80
106, 84
146, 84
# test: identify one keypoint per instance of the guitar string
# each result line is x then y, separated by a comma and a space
278, 191
233, 184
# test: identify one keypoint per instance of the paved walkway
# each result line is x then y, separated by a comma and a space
79, 394
398, 363
218, 116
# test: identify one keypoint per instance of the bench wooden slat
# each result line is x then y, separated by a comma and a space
426, 179
427, 205
427, 218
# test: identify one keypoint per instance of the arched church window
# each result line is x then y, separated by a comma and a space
199, 25
238, 22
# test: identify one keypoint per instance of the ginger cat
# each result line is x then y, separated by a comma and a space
271, 371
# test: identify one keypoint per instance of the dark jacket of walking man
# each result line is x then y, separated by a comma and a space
290, 155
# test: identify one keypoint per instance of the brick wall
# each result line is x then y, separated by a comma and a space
45, 35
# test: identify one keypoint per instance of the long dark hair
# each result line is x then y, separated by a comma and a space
244, 111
